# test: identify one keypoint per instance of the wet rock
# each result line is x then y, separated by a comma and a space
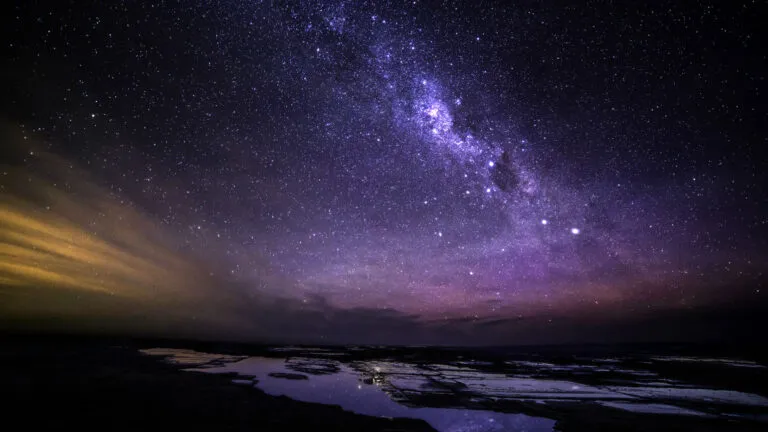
290, 376
312, 366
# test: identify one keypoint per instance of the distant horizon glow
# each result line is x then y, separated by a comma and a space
308, 172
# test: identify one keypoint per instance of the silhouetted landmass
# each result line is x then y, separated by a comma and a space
109, 384
82, 385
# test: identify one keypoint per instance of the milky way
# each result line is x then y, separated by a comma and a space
444, 161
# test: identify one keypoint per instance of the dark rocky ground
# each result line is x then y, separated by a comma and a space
106, 384
83, 385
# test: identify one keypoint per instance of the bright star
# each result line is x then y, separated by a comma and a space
575, 231
491, 164
544, 221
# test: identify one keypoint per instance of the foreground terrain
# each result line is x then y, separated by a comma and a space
124, 385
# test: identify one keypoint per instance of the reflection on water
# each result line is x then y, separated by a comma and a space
459, 394
347, 388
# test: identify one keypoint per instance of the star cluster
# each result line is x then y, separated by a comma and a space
357, 146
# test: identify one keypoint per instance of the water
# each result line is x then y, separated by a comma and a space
345, 389
458, 394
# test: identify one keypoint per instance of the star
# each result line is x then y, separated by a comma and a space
325, 151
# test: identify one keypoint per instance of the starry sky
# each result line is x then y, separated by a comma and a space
395, 172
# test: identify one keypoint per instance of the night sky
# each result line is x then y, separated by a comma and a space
337, 172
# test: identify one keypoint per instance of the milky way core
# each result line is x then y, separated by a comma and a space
447, 167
